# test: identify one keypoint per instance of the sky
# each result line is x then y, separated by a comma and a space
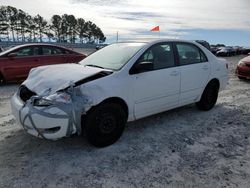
217, 21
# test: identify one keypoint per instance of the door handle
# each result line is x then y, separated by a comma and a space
205, 67
174, 73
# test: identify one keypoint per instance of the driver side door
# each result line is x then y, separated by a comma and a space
157, 84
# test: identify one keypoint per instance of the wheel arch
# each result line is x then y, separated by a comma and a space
215, 81
206, 103
117, 100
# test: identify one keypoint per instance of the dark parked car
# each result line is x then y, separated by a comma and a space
226, 51
15, 63
100, 46
214, 49
243, 68
204, 43
238, 50
245, 51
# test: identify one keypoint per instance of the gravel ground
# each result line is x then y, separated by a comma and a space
184, 147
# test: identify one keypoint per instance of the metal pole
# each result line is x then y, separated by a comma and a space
117, 36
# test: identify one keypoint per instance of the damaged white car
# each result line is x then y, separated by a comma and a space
119, 83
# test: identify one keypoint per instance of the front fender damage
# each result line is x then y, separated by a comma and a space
41, 88
72, 111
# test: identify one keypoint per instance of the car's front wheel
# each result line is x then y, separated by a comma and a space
104, 124
209, 97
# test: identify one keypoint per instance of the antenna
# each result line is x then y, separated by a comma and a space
117, 38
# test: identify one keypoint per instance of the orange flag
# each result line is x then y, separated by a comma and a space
157, 28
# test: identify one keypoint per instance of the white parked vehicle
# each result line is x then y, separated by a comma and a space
119, 83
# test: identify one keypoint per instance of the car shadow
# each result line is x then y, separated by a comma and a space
245, 80
10, 84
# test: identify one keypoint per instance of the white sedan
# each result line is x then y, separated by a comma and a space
119, 83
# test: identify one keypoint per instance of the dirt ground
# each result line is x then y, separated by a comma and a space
184, 147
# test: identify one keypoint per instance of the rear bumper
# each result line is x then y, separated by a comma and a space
44, 122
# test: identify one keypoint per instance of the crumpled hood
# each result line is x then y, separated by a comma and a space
47, 80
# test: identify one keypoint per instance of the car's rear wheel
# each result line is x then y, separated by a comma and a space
2, 81
209, 97
104, 124
241, 78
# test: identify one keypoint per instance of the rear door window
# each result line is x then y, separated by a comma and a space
47, 50
189, 54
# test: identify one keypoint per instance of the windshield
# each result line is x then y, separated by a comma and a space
113, 57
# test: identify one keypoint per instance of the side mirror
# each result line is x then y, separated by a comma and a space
12, 55
142, 67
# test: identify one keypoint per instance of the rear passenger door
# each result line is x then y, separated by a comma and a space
195, 70
72, 57
52, 55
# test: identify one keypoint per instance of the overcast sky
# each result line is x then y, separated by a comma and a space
218, 21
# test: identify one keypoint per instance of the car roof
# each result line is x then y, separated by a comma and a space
153, 41
149, 42
31, 44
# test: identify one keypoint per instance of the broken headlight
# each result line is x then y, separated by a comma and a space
42, 102
52, 99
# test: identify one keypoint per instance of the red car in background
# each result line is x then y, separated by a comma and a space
243, 68
16, 62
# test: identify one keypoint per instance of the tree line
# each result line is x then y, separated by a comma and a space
18, 26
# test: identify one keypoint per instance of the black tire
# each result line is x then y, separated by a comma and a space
241, 78
209, 97
2, 81
104, 124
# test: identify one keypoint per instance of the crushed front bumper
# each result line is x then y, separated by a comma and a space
44, 122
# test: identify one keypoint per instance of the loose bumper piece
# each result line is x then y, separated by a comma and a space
51, 122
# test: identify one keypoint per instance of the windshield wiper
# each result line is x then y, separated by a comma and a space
95, 66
